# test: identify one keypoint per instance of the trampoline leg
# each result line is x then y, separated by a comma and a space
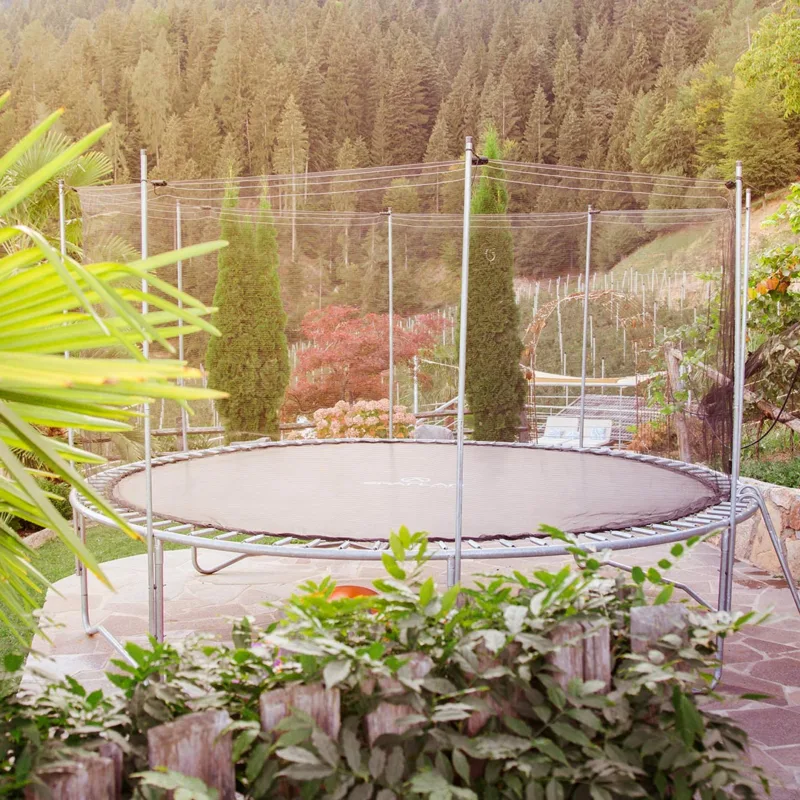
677, 584
216, 569
158, 588
776, 543
83, 577
451, 572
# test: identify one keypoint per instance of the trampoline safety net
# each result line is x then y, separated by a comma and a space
660, 249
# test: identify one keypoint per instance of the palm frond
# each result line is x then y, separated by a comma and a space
51, 305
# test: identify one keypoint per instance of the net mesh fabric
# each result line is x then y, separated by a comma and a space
658, 246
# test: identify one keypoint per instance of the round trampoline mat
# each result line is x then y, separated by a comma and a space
362, 490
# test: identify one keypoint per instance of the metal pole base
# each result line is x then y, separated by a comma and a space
83, 576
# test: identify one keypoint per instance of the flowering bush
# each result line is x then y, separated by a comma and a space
363, 419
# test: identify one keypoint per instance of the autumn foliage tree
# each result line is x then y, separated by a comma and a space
348, 356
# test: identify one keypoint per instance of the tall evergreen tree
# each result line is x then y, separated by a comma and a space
566, 81
570, 146
150, 93
291, 157
757, 134
710, 95
203, 140
250, 361
499, 106
538, 139
494, 383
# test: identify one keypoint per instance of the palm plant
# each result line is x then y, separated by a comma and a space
52, 305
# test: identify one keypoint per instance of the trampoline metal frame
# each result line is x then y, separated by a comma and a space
710, 520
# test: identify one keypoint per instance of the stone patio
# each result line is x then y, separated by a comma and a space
765, 660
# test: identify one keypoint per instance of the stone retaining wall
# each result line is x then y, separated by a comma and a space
752, 538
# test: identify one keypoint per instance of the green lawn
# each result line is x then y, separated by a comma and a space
54, 561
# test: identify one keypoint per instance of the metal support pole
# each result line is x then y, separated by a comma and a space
154, 571
416, 385
391, 326
745, 276
62, 236
178, 246
462, 364
729, 536
582, 414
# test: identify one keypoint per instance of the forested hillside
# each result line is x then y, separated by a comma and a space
258, 86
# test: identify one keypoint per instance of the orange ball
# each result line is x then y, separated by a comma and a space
348, 590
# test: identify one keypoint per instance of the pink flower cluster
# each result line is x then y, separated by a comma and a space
364, 419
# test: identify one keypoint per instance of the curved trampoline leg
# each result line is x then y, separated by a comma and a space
83, 576
726, 576
776, 543
213, 570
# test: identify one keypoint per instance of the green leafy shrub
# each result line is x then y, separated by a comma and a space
647, 737
784, 473
57, 492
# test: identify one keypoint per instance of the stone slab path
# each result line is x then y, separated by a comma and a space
764, 660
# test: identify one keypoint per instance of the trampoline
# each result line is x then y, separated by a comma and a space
340, 499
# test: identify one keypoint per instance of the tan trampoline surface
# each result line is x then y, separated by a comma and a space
362, 490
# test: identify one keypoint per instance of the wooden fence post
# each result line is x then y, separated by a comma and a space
387, 717
650, 623
194, 745
568, 659
597, 653
87, 777
321, 704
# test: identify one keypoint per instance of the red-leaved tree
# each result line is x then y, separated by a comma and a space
348, 356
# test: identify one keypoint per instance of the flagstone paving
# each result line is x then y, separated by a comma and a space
764, 660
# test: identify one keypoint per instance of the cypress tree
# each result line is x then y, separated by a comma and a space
495, 385
250, 361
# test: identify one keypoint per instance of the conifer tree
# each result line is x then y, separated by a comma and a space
291, 156
499, 106
494, 383
229, 161
176, 162
570, 145
566, 81
203, 140
380, 136
250, 361
151, 100
636, 72
538, 140
669, 146
757, 134
710, 95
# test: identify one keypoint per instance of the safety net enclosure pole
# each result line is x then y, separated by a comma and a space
586, 278
152, 591
462, 361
